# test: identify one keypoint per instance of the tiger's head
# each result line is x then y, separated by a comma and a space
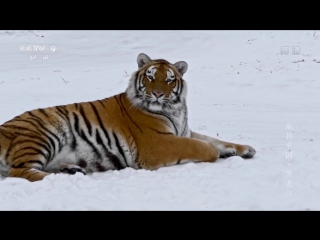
158, 84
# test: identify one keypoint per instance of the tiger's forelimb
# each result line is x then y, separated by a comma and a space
227, 149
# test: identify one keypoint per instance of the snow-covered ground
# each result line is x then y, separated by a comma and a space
242, 88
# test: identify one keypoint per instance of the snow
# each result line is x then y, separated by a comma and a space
241, 89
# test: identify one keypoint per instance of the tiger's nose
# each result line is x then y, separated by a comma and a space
158, 94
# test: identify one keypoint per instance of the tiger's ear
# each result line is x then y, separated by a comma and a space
181, 66
142, 60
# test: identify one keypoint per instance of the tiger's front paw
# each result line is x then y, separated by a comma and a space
228, 152
246, 151
71, 169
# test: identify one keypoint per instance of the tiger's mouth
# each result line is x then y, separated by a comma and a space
156, 102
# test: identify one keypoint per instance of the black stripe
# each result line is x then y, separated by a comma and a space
101, 103
76, 105
32, 173
34, 136
44, 128
4, 133
31, 161
133, 141
114, 159
141, 85
74, 142
185, 120
30, 136
31, 148
31, 141
18, 166
31, 114
138, 163
175, 93
27, 169
178, 87
52, 134
35, 161
101, 124
120, 148
76, 123
121, 106
36, 117
184, 130
181, 86
64, 114
22, 135
177, 100
46, 135
179, 161
83, 136
26, 154
63, 109
43, 112
136, 84
160, 132
86, 120
169, 118
21, 128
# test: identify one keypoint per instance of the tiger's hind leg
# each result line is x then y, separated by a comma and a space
28, 161
34, 174
29, 173
227, 149
71, 169
29, 158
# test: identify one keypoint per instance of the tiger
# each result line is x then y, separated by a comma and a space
144, 127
